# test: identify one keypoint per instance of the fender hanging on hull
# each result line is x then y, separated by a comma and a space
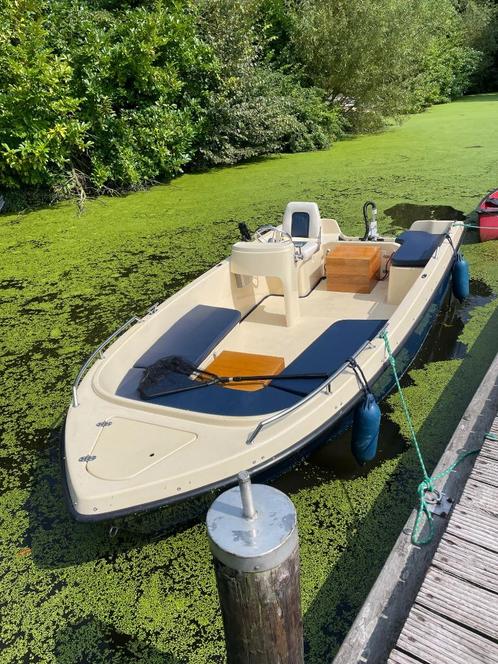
460, 278
366, 427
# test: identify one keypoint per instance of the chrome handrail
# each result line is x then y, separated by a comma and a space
98, 351
308, 397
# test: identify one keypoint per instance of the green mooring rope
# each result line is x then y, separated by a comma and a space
461, 224
427, 484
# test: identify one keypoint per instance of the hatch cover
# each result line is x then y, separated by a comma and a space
130, 447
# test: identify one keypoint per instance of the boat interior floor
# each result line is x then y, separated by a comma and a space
264, 329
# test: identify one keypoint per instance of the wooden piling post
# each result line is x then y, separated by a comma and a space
253, 537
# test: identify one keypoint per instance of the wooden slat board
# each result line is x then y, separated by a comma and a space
486, 470
454, 619
475, 526
436, 640
398, 657
460, 601
489, 450
467, 561
481, 496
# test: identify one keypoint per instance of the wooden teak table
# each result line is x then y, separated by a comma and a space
353, 268
232, 363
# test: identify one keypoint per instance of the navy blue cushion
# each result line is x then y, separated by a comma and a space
416, 248
193, 336
223, 401
325, 355
300, 224
328, 353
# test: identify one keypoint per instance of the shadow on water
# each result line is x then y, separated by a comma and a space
404, 214
84, 642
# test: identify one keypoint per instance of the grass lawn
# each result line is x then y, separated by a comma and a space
69, 593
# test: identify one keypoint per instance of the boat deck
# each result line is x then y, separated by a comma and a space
455, 615
265, 326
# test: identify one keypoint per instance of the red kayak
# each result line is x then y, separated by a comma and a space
488, 216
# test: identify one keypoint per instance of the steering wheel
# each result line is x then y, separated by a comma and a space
262, 234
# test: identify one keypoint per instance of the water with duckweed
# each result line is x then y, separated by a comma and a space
70, 593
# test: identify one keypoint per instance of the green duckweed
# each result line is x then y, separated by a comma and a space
69, 592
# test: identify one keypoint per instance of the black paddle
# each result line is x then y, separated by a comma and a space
178, 365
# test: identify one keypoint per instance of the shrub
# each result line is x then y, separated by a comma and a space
256, 109
40, 127
262, 112
142, 75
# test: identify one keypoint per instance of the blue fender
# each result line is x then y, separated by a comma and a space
366, 426
460, 278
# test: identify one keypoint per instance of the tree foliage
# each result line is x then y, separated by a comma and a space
256, 109
386, 57
40, 126
105, 93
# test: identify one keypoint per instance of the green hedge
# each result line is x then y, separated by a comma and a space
100, 94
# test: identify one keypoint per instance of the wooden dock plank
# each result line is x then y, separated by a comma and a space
454, 616
475, 526
460, 601
480, 495
494, 426
485, 470
489, 450
398, 657
433, 639
468, 561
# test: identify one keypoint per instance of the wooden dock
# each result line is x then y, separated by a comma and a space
438, 603
455, 615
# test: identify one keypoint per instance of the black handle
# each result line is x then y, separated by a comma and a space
245, 233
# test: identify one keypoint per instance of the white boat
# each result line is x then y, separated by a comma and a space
287, 304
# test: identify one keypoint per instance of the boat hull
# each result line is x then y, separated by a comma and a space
488, 217
381, 385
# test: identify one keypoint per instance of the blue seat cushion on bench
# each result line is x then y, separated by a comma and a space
218, 400
325, 355
193, 336
328, 353
416, 248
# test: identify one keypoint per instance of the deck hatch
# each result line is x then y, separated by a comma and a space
130, 447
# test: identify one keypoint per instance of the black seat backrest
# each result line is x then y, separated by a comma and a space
300, 224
